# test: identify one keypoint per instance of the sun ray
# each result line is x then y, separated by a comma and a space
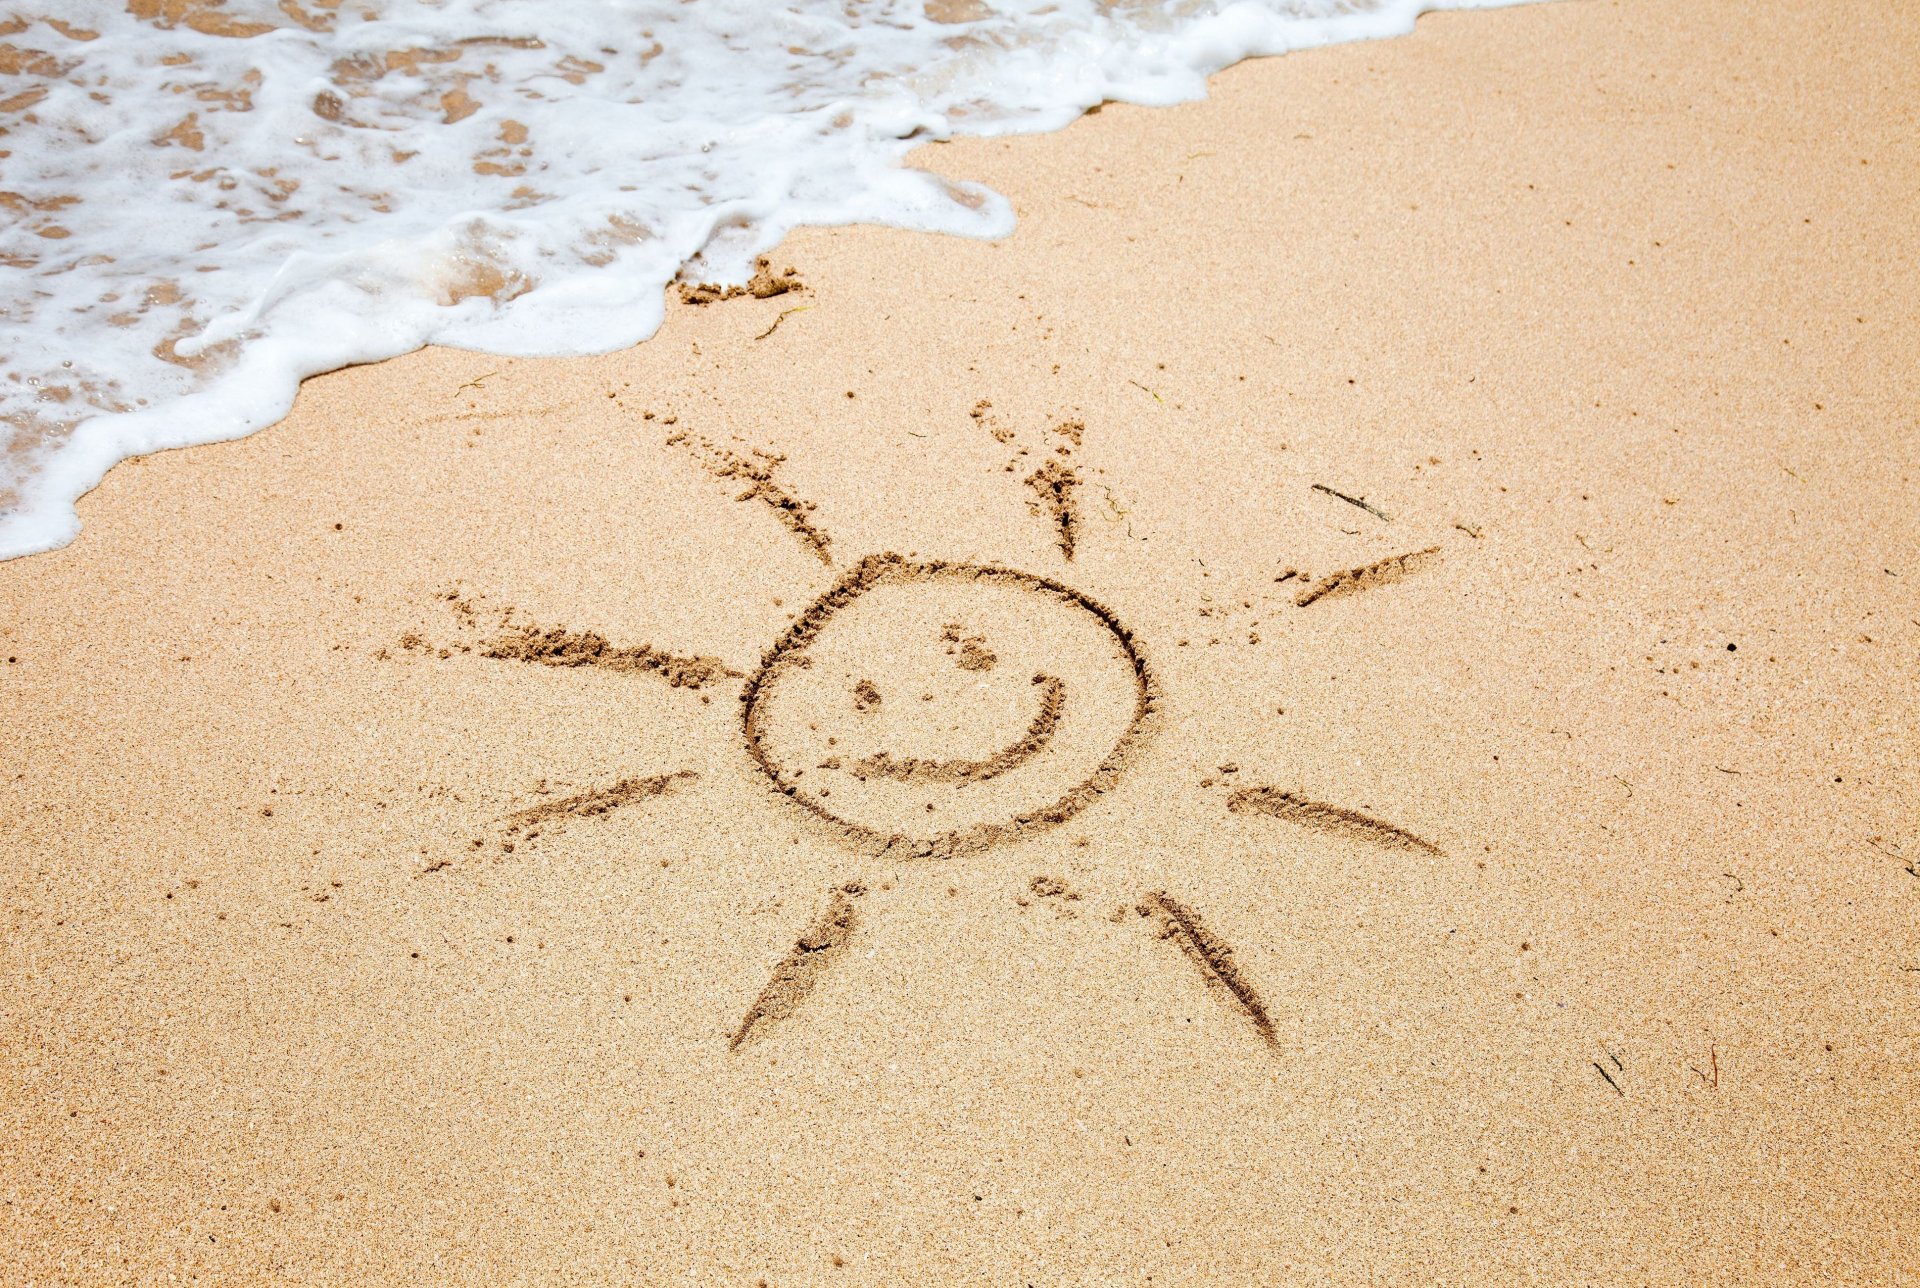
756, 471
1382, 572
1053, 486
557, 646
1331, 819
527, 824
1213, 955
794, 978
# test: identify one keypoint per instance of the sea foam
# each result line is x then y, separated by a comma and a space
206, 201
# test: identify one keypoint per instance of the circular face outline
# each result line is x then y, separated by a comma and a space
893, 569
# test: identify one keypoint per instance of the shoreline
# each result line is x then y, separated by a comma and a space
493, 273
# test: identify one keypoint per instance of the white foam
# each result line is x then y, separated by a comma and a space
211, 202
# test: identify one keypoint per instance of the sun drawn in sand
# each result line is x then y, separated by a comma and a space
927, 709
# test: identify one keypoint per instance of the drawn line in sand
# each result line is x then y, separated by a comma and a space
913, 769
757, 473
1382, 573
558, 646
1213, 955
816, 950
1053, 486
528, 824
1336, 820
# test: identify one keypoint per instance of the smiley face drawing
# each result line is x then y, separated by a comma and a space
923, 709
943, 633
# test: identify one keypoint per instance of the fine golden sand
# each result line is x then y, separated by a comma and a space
1341, 706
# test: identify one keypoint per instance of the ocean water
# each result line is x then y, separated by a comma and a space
202, 202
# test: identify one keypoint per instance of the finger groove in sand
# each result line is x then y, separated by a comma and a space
558, 646
1053, 487
757, 473
1214, 956
529, 823
1384, 572
1335, 820
816, 950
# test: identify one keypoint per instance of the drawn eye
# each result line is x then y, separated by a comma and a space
969, 652
960, 742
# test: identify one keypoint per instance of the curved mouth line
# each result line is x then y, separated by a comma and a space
914, 769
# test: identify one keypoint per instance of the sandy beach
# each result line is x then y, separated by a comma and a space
1339, 707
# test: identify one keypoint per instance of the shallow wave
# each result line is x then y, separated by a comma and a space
209, 200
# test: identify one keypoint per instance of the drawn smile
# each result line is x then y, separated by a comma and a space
915, 769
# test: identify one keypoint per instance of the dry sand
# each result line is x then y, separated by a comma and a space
1539, 909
